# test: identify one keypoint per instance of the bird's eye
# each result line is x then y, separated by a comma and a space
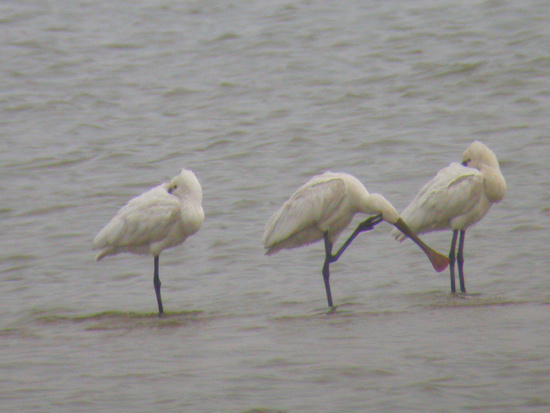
172, 189
466, 162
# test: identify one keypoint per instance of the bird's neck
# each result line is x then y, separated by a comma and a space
494, 183
377, 204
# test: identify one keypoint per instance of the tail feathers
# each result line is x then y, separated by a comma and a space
102, 255
272, 250
284, 245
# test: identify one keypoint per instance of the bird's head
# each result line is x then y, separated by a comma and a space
379, 204
477, 155
185, 184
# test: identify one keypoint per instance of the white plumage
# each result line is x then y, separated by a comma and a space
456, 198
325, 204
160, 218
322, 208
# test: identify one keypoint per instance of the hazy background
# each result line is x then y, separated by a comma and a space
101, 100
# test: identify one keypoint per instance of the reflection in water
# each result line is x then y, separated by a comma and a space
113, 320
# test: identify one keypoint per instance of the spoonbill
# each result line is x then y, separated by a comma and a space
457, 197
322, 208
160, 218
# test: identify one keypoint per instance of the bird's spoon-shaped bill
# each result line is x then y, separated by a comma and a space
439, 261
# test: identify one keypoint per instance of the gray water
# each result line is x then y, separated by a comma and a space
101, 100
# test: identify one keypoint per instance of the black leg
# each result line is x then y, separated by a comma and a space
366, 225
156, 283
452, 260
326, 269
460, 260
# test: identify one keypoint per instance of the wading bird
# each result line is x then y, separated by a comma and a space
160, 218
322, 208
458, 196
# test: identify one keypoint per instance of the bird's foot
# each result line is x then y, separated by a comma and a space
369, 223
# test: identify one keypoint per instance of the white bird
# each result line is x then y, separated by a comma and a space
160, 218
457, 197
322, 208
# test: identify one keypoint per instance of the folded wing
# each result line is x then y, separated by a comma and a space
299, 220
453, 192
144, 220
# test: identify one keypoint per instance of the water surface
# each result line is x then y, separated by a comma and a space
102, 100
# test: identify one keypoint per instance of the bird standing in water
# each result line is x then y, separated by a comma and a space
322, 208
160, 218
457, 197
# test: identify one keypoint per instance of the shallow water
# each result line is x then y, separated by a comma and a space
101, 101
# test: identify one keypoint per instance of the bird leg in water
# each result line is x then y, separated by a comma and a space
460, 260
156, 283
366, 225
326, 269
452, 260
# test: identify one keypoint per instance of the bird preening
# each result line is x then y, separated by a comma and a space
322, 208
457, 197
160, 218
